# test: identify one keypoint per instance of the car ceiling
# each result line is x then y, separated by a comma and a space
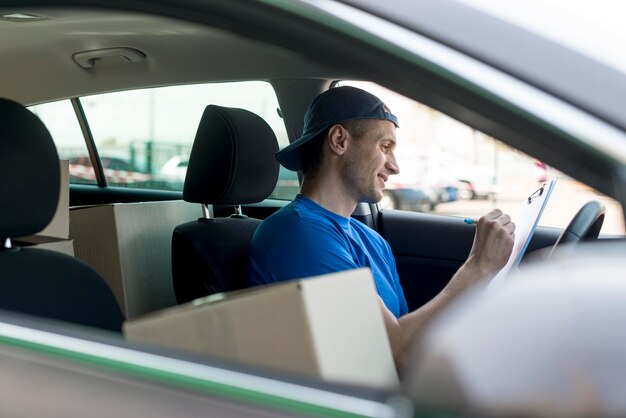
38, 66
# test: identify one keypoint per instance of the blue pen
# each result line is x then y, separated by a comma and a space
469, 221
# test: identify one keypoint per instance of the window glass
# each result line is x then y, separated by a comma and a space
144, 137
449, 168
61, 121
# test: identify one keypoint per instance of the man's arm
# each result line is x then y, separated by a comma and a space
493, 243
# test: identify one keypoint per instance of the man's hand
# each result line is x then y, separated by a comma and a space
493, 243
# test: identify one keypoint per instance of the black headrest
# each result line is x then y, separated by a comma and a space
29, 172
232, 160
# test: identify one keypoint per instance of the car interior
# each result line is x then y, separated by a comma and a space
295, 79
74, 56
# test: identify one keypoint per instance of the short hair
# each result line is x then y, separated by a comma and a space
311, 153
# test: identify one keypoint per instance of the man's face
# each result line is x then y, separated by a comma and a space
369, 161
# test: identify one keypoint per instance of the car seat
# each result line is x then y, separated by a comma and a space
38, 281
232, 162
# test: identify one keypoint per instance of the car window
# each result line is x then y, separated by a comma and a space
60, 119
144, 137
449, 168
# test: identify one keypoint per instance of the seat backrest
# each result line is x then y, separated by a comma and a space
37, 281
232, 162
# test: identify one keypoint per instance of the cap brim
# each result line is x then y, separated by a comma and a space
289, 157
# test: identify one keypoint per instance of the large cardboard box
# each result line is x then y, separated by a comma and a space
55, 236
130, 245
328, 326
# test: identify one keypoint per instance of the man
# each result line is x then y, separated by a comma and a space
346, 154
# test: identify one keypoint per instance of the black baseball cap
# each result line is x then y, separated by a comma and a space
331, 107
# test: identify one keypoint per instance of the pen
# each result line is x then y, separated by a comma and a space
469, 221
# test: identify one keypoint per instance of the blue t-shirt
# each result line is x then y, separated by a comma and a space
303, 239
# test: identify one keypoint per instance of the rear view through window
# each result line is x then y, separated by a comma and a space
144, 137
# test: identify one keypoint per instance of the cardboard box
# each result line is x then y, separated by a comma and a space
328, 326
130, 245
59, 226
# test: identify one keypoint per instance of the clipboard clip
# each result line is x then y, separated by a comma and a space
536, 194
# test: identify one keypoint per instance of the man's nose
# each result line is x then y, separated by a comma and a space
392, 165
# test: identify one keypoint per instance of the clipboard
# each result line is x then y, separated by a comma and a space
525, 226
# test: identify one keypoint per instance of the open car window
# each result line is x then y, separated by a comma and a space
449, 168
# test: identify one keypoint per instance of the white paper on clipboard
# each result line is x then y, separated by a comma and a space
525, 226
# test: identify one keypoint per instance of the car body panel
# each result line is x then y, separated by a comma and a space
100, 368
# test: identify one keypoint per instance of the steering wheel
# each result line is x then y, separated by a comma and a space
584, 226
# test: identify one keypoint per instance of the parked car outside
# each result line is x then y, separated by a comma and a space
117, 171
477, 182
175, 168
420, 186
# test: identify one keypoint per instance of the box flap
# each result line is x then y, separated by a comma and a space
341, 309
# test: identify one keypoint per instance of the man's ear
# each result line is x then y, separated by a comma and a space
338, 139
